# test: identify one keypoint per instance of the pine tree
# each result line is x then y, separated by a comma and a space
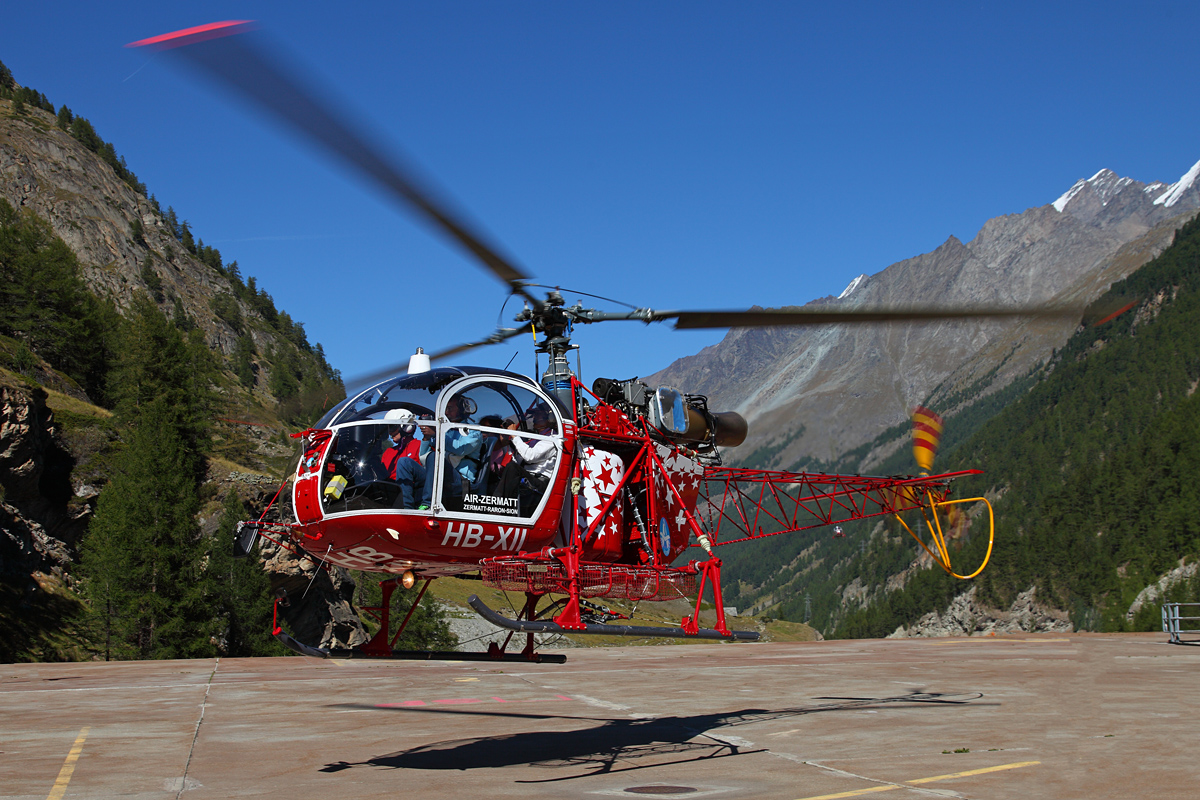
283, 383
142, 553
179, 316
243, 357
226, 307
6, 78
158, 362
186, 238
151, 279
45, 304
85, 134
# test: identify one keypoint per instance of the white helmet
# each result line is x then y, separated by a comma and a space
401, 418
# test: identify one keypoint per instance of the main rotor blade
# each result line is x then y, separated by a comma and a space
825, 316
396, 369
223, 52
496, 338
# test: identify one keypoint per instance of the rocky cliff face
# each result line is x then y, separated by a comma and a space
813, 393
43, 515
965, 617
45, 170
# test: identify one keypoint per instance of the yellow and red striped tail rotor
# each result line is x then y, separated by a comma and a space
926, 432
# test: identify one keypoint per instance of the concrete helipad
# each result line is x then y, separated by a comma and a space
1077, 716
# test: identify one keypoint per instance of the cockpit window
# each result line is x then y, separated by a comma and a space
488, 450
503, 405
417, 393
499, 449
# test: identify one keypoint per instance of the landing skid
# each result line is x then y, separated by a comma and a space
547, 626
418, 655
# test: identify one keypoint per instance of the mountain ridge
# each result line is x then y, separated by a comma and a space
829, 390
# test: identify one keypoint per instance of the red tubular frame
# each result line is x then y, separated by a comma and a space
796, 501
380, 644
735, 505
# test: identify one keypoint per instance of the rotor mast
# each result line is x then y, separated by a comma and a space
554, 319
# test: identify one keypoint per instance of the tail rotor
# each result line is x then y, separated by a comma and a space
927, 427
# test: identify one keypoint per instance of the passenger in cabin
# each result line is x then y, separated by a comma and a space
462, 442
403, 460
538, 457
499, 475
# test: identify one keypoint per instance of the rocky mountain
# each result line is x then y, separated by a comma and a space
812, 394
114, 229
56, 445
1086, 463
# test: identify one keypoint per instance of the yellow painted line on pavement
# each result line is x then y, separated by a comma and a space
1017, 765
68, 767
890, 787
983, 640
855, 793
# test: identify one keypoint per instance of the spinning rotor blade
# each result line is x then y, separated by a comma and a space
396, 369
234, 60
819, 316
496, 338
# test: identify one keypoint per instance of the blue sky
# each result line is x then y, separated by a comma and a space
670, 155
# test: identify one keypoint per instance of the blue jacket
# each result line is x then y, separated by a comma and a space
469, 445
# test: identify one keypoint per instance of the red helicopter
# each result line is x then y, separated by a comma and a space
548, 487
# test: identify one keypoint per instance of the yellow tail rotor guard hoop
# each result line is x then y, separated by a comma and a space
942, 556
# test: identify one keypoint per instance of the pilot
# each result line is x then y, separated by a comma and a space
403, 459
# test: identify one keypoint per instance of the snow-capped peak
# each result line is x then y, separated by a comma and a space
1171, 196
1061, 202
853, 285
1105, 183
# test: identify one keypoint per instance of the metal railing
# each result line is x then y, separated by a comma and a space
1176, 625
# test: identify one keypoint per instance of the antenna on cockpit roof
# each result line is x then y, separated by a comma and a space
418, 362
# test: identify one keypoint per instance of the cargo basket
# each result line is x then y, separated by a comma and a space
616, 581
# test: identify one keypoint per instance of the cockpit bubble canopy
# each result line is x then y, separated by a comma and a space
418, 393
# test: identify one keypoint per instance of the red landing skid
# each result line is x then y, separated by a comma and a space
549, 626
558, 571
561, 571
381, 647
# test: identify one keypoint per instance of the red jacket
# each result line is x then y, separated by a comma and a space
411, 449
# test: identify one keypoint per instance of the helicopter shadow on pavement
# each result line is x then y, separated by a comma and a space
618, 745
